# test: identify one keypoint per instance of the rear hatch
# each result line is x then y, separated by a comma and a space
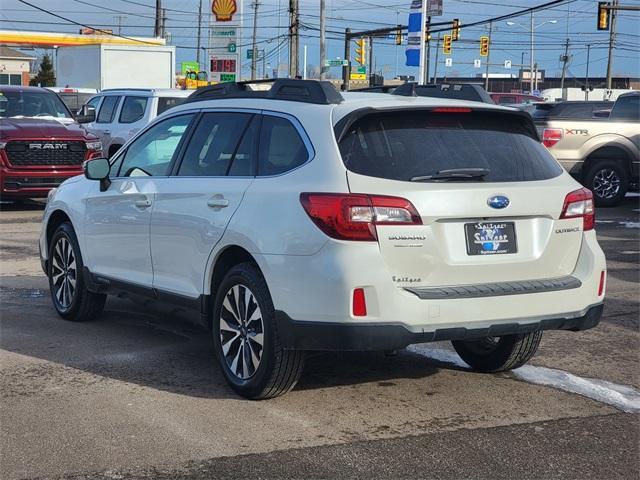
492, 215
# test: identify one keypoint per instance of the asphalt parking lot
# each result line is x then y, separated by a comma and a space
136, 394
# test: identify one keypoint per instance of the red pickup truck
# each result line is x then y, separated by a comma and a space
41, 144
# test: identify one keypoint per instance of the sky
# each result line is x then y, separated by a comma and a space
575, 20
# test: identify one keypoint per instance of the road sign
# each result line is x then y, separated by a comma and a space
507, 64
536, 93
358, 76
448, 62
434, 8
338, 62
477, 63
249, 54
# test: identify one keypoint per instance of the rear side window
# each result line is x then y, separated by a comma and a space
133, 109
403, 145
165, 103
281, 147
107, 109
626, 108
213, 146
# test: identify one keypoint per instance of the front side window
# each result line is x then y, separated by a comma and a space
212, 148
108, 109
281, 147
406, 145
152, 152
133, 109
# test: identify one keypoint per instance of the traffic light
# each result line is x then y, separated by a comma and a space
446, 45
455, 32
484, 46
361, 51
603, 15
399, 37
427, 34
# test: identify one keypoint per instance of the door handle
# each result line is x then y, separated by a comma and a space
145, 203
218, 201
106, 132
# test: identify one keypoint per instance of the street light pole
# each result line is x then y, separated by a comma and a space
323, 52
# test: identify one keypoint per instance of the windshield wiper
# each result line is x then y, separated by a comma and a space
454, 174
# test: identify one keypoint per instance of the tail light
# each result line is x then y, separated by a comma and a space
579, 203
551, 136
355, 216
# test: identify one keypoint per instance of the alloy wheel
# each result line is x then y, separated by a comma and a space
241, 331
606, 183
63, 272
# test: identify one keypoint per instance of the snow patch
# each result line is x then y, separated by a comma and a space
622, 397
628, 224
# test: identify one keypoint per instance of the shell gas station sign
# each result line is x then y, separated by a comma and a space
226, 25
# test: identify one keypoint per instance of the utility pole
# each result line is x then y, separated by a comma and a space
119, 19
254, 52
347, 56
323, 52
371, 69
158, 25
531, 89
565, 60
423, 42
163, 24
199, 34
294, 38
435, 67
612, 39
586, 76
486, 74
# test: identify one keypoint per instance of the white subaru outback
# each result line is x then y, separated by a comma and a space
294, 218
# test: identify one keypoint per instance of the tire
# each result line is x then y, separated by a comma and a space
69, 293
609, 182
236, 338
500, 353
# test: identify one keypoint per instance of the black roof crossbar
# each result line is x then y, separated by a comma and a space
306, 91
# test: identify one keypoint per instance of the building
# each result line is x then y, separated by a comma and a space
15, 66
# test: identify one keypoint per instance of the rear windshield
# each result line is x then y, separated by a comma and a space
165, 103
401, 145
75, 100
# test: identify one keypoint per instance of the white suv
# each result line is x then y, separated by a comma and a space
121, 113
296, 219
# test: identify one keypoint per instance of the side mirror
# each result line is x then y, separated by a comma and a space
98, 169
86, 114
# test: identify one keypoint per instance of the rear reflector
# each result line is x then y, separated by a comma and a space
551, 136
359, 303
579, 204
451, 110
603, 276
355, 216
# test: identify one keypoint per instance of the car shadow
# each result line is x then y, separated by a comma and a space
149, 345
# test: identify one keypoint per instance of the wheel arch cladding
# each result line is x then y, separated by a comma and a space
57, 218
226, 259
609, 152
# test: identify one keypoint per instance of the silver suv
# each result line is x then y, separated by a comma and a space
121, 113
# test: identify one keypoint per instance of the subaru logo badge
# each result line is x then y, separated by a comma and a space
498, 201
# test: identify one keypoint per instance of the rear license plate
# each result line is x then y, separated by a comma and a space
491, 238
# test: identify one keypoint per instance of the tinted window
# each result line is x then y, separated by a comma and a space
626, 108
281, 148
244, 161
165, 103
399, 146
133, 109
505, 100
107, 109
213, 145
31, 103
152, 152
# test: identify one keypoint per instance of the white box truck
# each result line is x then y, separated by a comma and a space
113, 66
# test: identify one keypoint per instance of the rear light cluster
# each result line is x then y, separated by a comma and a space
551, 136
355, 216
579, 204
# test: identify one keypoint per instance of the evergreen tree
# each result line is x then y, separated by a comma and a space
45, 76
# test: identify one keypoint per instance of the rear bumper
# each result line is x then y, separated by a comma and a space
300, 335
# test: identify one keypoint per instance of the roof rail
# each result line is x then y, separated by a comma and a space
306, 91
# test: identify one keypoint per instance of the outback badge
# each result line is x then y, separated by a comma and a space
498, 201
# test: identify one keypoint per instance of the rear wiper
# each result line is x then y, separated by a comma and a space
454, 174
